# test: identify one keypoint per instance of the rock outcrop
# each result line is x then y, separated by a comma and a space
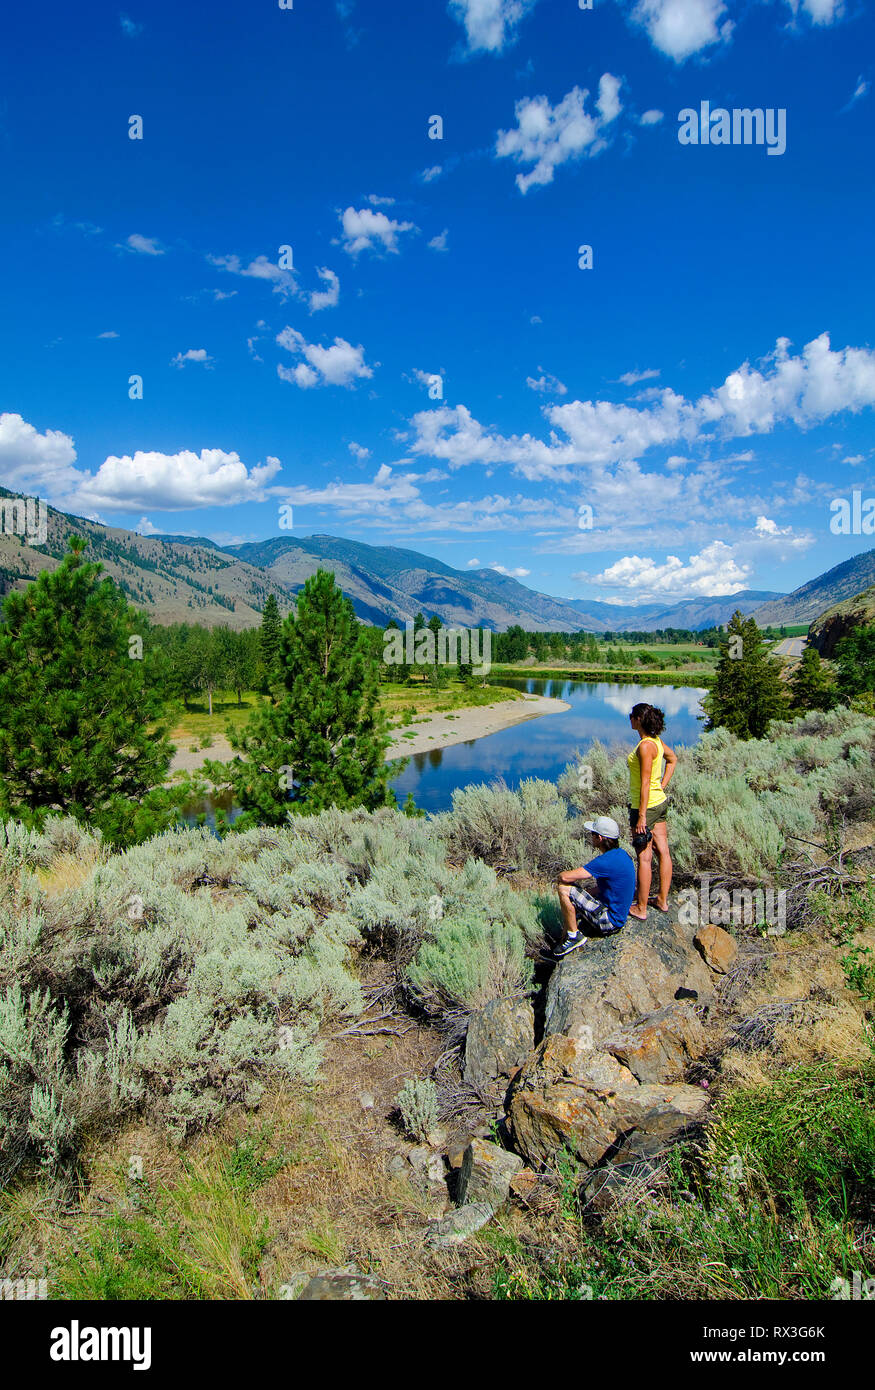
499, 1039
717, 946
582, 1099
618, 980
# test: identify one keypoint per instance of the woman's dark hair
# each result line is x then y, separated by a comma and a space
652, 719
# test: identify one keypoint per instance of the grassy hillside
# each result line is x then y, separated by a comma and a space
837, 621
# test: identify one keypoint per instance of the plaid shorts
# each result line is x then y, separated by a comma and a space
592, 911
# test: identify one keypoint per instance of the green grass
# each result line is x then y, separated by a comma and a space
201, 1238
773, 1205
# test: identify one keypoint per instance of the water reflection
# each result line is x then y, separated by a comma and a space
543, 747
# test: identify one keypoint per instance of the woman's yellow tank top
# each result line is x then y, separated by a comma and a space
655, 795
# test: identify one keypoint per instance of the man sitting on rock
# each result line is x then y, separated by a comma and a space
610, 888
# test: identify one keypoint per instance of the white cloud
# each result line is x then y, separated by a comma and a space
144, 527
802, 390
110, 334
250, 343
854, 459
219, 295
338, 365
39, 463
820, 12
130, 27
376, 201
713, 571
861, 90
633, 378
327, 298
427, 378
546, 384
439, 243
365, 230
283, 281
473, 565
536, 318
766, 527
651, 118
192, 355
144, 245
428, 175
358, 450
176, 482
680, 28
546, 136
519, 573
490, 25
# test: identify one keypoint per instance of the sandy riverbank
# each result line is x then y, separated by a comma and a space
434, 730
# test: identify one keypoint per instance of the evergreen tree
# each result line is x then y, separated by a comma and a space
79, 683
748, 692
324, 743
855, 660
270, 640
811, 686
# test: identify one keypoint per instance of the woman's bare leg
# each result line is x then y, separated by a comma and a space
645, 870
660, 837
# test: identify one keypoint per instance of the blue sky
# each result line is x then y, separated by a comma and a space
706, 388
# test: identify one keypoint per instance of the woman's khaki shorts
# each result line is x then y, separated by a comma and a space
655, 814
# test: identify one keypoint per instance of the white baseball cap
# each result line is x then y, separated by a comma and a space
604, 826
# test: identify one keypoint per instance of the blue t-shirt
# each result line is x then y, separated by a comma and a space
614, 872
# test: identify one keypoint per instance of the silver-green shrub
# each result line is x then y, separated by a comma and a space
418, 1102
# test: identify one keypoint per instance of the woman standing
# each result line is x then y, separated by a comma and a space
651, 768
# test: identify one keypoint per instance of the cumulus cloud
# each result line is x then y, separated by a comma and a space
366, 230
802, 390
714, 571
282, 282
41, 464
192, 355
376, 201
176, 482
473, 565
820, 12
338, 365
546, 384
518, 573
651, 118
548, 136
766, 527
680, 28
143, 245
327, 298
490, 25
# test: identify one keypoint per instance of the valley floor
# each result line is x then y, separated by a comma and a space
439, 730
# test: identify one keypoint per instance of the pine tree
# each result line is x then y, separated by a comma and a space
811, 686
271, 640
77, 698
748, 692
855, 659
324, 743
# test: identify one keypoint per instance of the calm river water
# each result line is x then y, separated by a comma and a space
543, 747
539, 747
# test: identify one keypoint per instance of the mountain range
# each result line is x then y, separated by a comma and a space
192, 579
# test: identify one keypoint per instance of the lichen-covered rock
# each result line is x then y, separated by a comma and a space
341, 1288
499, 1039
486, 1174
658, 1047
717, 946
571, 1096
460, 1224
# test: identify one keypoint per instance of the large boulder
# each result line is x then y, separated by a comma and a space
499, 1039
718, 948
570, 1095
617, 980
659, 1047
486, 1173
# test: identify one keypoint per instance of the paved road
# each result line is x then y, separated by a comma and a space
791, 646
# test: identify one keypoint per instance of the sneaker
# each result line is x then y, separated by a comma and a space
570, 944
